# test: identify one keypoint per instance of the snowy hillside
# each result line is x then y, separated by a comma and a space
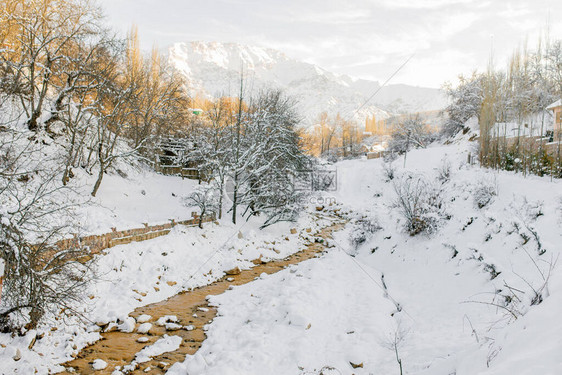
214, 69
479, 295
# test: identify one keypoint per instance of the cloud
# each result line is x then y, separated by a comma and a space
360, 38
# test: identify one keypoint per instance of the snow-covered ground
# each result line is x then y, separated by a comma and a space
141, 197
467, 292
141, 273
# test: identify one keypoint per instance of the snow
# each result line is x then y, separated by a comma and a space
209, 67
163, 345
556, 104
166, 319
334, 311
143, 318
291, 319
99, 364
128, 325
142, 197
144, 328
138, 273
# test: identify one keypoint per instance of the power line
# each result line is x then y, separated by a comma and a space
383, 85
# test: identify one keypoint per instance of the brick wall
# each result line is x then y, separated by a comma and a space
97, 243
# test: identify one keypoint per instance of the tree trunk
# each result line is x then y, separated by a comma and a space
32, 122
98, 181
201, 219
235, 198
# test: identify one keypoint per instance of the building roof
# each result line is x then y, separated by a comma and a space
556, 104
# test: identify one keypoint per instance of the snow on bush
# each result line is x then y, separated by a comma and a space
363, 229
420, 203
444, 171
484, 192
389, 171
526, 210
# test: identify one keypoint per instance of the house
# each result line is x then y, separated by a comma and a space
556, 109
374, 146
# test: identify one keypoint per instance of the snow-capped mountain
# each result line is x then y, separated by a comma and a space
213, 69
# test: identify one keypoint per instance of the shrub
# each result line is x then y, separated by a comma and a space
484, 192
444, 171
204, 198
39, 279
389, 171
420, 204
363, 230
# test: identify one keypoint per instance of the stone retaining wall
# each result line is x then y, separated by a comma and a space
97, 243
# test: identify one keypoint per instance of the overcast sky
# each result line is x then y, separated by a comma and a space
363, 38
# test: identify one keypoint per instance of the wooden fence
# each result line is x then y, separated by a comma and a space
176, 170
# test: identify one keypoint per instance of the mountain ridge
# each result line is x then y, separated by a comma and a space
212, 69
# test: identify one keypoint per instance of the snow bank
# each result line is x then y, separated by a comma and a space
163, 345
459, 289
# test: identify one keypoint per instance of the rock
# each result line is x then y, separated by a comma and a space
172, 327
128, 325
167, 319
234, 271
171, 283
240, 235
189, 327
99, 364
111, 327
163, 365
102, 323
143, 318
293, 230
319, 208
144, 328
142, 339
308, 230
32, 342
230, 279
258, 261
17, 356
360, 365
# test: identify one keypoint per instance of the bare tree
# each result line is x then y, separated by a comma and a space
41, 40
38, 276
395, 341
205, 199
408, 134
